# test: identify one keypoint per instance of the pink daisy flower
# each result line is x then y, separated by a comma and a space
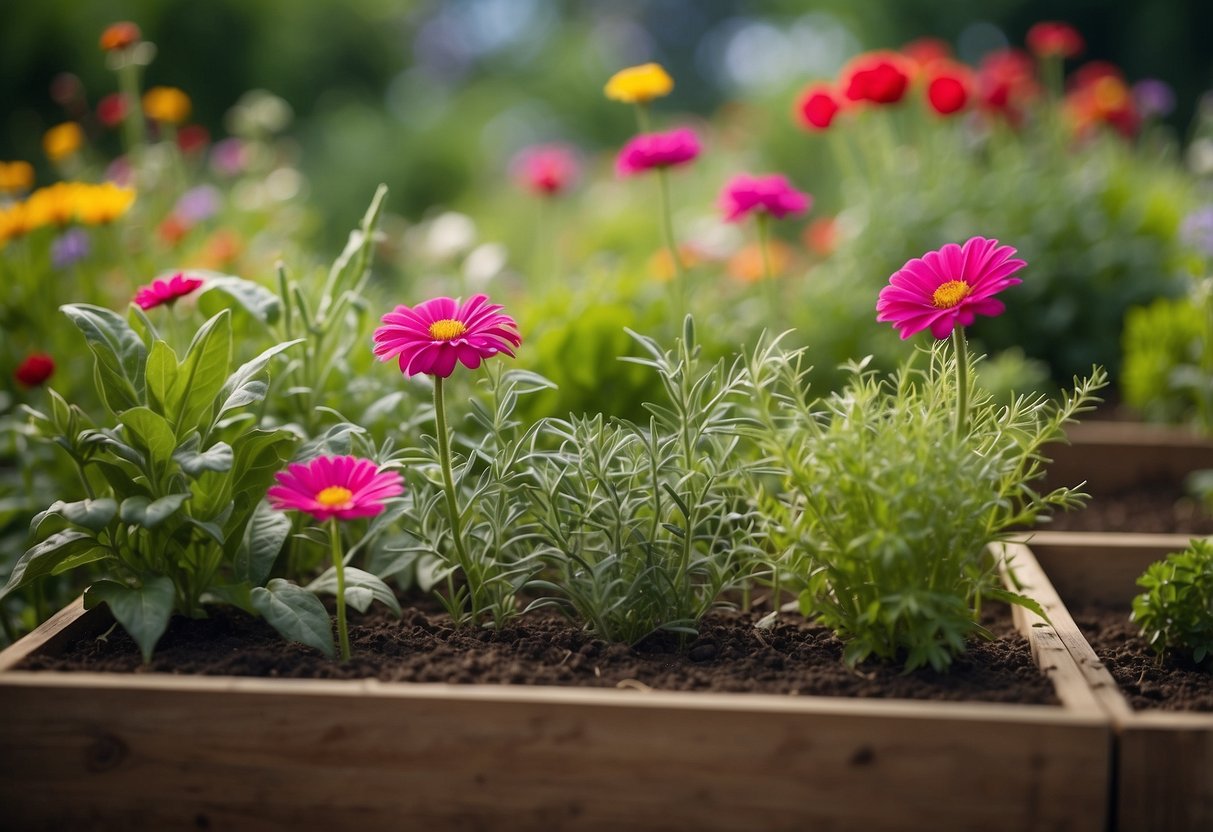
344, 487
774, 195
433, 336
546, 169
165, 291
657, 150
948, 287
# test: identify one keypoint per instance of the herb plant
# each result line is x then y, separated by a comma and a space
645, 525
1175, 612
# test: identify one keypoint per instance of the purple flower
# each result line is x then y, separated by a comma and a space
1197, 230
1154, 98
70, 247
198, 204
229, 157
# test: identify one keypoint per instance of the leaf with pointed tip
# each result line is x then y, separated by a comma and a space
119, 351
361, 588
217, 457
296, 614
93, 515
254, 298
161, 376
150, 513
149, 432
42, 559
267, 530
202, 373
143, 612
243, 387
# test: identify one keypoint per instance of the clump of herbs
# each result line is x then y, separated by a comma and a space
1175, 612
885, 513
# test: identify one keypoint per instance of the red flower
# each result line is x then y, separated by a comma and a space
1099, 95
112, 109
546, 169
35, 369
192, 138
1052, 38
817, 107
120, 35
949, 87
1006, 81
878, 77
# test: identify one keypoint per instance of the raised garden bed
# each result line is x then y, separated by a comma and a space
1135, 475
152, 750
1164, 768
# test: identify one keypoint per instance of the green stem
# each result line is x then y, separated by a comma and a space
343, 632
132, 123
960, 347
448, 481
667, 228
642, 117
763, 220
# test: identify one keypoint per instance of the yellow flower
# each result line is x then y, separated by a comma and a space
166, 104
104, 203
16, 177
52, 205
62, 141
639, 84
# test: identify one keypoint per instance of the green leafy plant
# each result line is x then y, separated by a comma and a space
172, 481
644, 525
1175, 612
1168, 355
885, 512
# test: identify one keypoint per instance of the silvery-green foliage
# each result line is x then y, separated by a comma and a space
644, 525
491, 451
885, 517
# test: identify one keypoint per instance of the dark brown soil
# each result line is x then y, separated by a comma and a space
730, 654
1157, 508
1172, 684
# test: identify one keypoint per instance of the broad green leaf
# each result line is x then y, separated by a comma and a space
149, 432
218, 458
143, 612
263, 538
237, 595
202, 373
150, 513
89, 556
91, 514
243, 387
361, 588
42, 559
259, 456
161, 376
119, 351
296, 614
254, 298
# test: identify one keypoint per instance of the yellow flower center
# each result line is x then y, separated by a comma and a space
334, 495
447, 329
951, 293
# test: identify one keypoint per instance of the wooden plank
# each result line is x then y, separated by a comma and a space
1164, 769
1110, 456
261, 756
1099, 567
161, 751
62, 628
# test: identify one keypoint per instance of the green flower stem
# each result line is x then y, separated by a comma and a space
448, 477
642, 116
961, 348
763, 219
343, 631
667, 228
132, 123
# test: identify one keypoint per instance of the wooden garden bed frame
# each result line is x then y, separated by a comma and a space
153, 751
1164, 759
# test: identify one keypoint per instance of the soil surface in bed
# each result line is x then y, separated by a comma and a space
1171, 684
542, 648
1154, 508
